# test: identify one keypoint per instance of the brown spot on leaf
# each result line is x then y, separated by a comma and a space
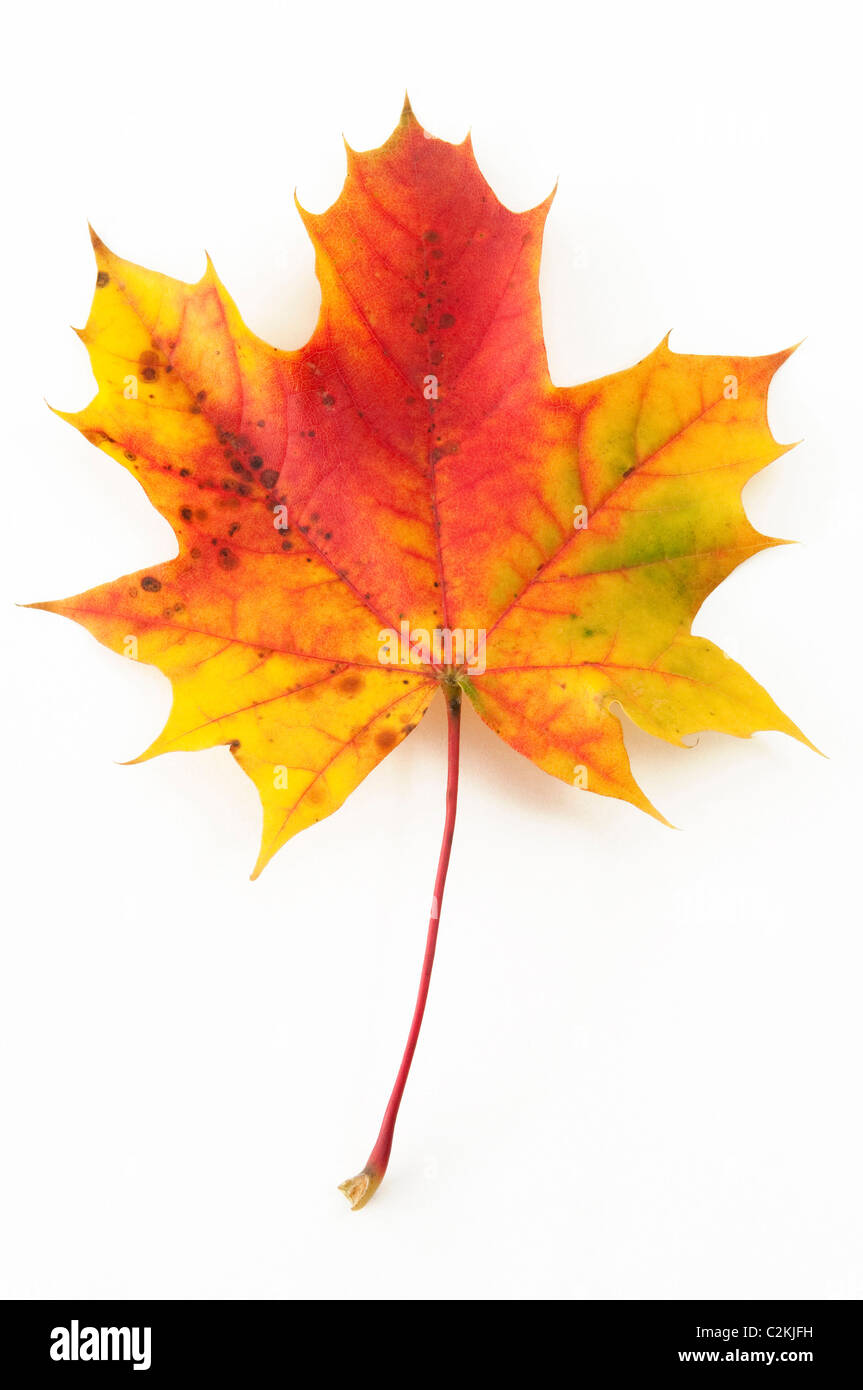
351, 683
441, 450
148, 364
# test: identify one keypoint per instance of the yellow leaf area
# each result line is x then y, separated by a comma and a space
413, 470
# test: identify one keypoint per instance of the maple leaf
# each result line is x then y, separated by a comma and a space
412, 478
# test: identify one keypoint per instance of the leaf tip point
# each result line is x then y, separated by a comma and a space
99, 248
70, 416
547, 201
308, 218
261, 863
799, 735
655, 813
132, 762
786, 448
774, 360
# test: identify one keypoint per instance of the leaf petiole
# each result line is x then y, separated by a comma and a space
360, 1189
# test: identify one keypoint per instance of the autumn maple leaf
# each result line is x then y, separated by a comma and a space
409, 504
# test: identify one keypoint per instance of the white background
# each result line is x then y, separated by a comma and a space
640, 1070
